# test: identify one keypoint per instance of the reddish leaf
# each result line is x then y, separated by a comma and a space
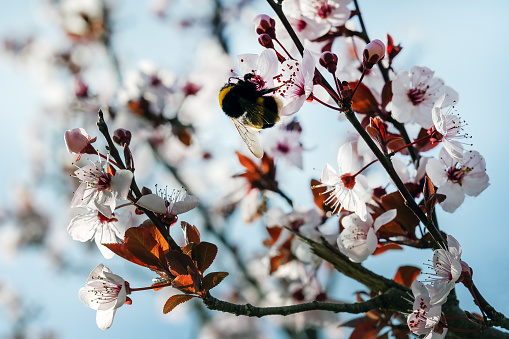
355, 322
143, 245
188, 249
247, 163
387, 93
405, 217
184, 283
213, 279
383, 248
274, 233
191, 233
367, 330
363, 101
406, 275
179, 263
318, 196
204, 254
276, 261
174, 301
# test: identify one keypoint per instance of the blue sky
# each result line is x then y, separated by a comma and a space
463, 41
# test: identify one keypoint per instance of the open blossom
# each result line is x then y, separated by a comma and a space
332, 12
177, 202
100, 189
456, 179
415, 93
345, 190
94, 225
447, 267
447, 128
284, 143
425, 318
297, 79
358, 239
306, 28
104, 292
264, 67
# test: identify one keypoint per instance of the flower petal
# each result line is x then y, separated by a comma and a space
153, 203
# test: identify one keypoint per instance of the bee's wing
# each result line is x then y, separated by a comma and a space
250, 137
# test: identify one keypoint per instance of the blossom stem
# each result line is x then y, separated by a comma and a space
284, 49
326, 104
333, 94
153, 287
124, 205
408, 145
362, 169
359, 82
288, 200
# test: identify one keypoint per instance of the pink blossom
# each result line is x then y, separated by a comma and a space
99, 190
373, 53
415, 93
79, 142
104, 292
344, 190
94, 225
425, 318
456, 179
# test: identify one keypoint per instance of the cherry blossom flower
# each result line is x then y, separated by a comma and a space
446, 129
79, 142
285, 144
94, 225
448, 268
264, 67
306, 28
373, 53
425, 318
177, 202
415, 93
104, 292
456, 179
358, 239
345, 190
100, 189
333, 12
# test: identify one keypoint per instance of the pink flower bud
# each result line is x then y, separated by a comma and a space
78, 141
122, 137
265, 24
330, 61
373, 53
265, 40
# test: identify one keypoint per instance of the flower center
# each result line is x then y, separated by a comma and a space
103, 181
105, 220
258, 81
348, 180
416, 96
456, 174
324, 10
283, 148
301, 25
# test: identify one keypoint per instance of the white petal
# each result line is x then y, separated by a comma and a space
371, 241
329, 176
436, 172
454, 148
267, 66
454, 246
247, 63
474, 186
104, 319
83, 227
104, 202
79, 195
185, 205
120, 183
345, 158
455, 196
152, 202
384, 218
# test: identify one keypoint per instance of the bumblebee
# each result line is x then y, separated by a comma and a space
250, 109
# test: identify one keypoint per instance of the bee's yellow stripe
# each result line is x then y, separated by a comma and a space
222, 94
